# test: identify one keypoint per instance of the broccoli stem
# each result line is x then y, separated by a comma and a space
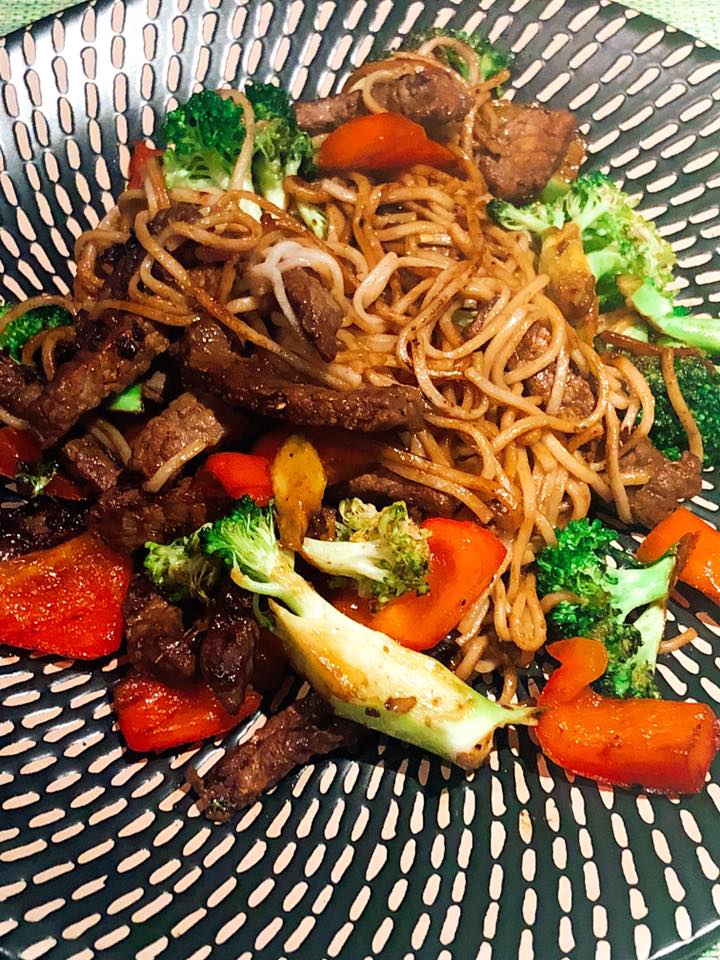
369, 678
647, 584
675, 322
345, 558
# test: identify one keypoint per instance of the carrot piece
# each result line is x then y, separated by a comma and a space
141, 153
241, 474
701, 567
381, 141
154, 717
16, 447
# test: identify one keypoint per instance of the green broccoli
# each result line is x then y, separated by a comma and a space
202, 139
490, 60
17, 333
362, 674
129, 401
656, 304
617, 240
699, 383
32, 478
607, 597
384, 551
181, 569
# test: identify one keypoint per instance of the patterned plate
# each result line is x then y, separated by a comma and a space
386, 854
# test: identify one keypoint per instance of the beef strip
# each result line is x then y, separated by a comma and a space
125, 519
157, 643
430, 97
227, 648
115, 352
383, 488
185, 421
19, 389
578, 399
88, 461
39, 525
319, 313
523, 146
670, 481
289, 739
208, 361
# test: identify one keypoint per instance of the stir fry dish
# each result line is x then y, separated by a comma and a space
342, 392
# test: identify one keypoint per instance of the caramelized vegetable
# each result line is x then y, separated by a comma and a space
572, 284
343, 454
662, 745
298, 482
700, 565
66, 600
154, 717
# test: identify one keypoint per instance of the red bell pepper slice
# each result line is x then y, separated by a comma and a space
241, 474
701, 567
664, 746
66, 600
381, 141
464, 557
141, 153
154, 717
343, 454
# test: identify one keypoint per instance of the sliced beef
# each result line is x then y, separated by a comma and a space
39, 525
671, 481
578, 399
209, 362
88, 461
522, 147
117, 265
115, 352
126, 518
187, 420
157, 643
318, 311
430, 97
227, 648
383, 488
19, 389
289, 739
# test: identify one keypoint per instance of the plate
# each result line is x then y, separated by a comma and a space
385, 854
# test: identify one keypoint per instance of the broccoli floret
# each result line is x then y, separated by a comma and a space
129, 401
33, 478
202, 139
617, 240
699, 383
360, 672
383, 551
607, 597
281, 148
670, 320
182, 570
17, 333
490, 60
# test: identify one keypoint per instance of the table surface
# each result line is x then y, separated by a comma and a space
701, 18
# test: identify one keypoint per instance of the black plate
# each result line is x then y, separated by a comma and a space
387, 854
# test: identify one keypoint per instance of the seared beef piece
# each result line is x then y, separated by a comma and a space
209, 362
117, 265
39, 525
186, 420
522, 148
383, 488
227, 648
91, 463
121, 348
431, 97
670, 482
19, 390
125, 519
578, 399
289, 739
317, 310
157, 644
